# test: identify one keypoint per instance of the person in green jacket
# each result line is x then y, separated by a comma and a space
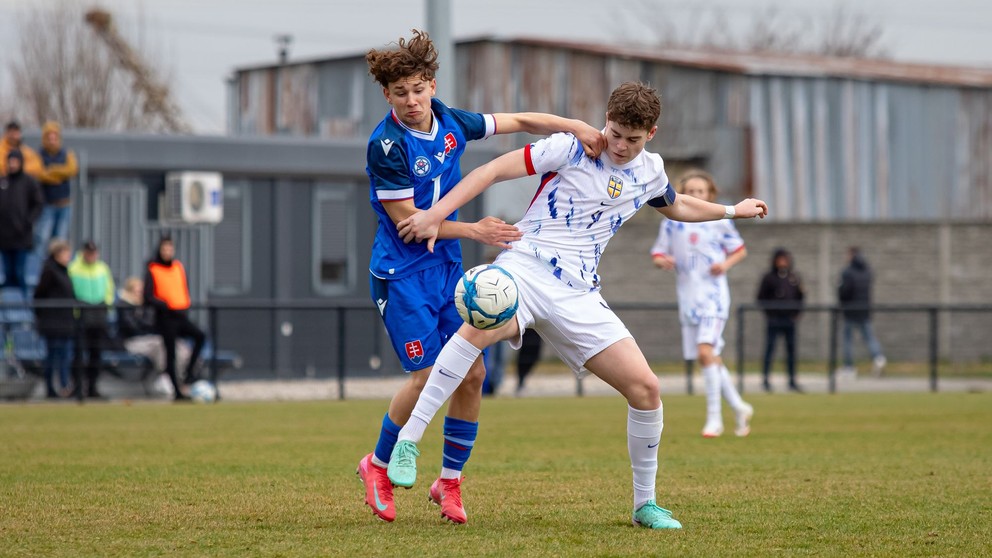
93, 285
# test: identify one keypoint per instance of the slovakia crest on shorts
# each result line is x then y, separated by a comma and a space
421, 166
414, 351
615, 186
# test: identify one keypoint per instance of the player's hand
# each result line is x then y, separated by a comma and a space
717, 269
496, 232
664, 262
750, 208
419, 227
593, 141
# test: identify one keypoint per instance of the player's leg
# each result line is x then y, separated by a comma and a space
711, 334
710, 367
407, 308
623, 366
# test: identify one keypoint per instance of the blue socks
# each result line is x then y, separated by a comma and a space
387, 439
459, 437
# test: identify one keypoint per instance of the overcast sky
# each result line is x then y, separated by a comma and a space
202, 41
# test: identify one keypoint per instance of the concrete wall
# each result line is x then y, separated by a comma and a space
914, 264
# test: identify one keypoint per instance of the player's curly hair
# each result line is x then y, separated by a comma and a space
414, 57
702, 175
634, 105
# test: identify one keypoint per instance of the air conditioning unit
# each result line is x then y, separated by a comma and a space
193, 197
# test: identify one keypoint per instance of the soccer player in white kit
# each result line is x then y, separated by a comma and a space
579, 205
701, 254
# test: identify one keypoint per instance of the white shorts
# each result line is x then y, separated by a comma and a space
577, 323
708, 331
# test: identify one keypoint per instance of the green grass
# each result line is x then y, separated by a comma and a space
843, 475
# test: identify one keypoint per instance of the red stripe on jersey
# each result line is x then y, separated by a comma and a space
737, 250
544, 181
528, 161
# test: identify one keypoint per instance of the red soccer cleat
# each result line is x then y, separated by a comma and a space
378, 489
447, 493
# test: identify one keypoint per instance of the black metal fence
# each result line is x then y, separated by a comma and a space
346, 339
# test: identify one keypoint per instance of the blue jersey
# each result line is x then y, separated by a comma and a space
423, 166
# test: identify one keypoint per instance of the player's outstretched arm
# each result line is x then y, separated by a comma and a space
490, 230
425, 225
593, 141
694, 210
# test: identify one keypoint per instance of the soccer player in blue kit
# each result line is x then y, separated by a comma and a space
413, 160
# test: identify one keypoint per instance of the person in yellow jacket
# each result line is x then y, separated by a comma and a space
59, 167
12, 142
167, 291
93, 285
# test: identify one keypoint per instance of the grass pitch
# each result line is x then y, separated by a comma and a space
842, 475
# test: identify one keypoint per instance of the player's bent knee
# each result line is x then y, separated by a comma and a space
644, 393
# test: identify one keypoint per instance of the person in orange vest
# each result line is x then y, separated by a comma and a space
167, 292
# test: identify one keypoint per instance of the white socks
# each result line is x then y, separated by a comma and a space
450, 368
729, 391
643, 436
711, 376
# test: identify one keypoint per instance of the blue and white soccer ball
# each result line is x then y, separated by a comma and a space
202, 391
486, 296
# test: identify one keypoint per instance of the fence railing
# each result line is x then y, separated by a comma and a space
338, 315
931, 311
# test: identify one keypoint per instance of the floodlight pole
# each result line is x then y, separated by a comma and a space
439, 27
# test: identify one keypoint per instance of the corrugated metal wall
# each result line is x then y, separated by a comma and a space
817, 148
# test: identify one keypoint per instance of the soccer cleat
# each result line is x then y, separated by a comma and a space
447, 493
378, 489
878, 365
744, 414
651, 516
712, 429
403, 464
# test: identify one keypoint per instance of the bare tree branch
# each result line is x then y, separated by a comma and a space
64, 72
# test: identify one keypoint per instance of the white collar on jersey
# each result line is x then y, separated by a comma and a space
417, 133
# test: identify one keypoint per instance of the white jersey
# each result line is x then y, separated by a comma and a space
696, 247
581, 203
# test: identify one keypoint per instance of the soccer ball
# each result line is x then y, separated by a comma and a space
486, 296
202, 391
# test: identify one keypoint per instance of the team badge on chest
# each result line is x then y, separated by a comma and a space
615, 187
421, 166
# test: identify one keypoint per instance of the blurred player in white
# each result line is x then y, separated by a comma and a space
701, 255
580, 204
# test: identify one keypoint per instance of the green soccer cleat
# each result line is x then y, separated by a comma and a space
403, 464
653, 517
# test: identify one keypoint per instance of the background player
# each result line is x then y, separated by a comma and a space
701, 255
412, 161
578, 207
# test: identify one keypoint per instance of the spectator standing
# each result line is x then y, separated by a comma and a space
57, 325
136, 329
94, 287
782, 293
20, 205
59, 168
167, 291
854, 294
31, 162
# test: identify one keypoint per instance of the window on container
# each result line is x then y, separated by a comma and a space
333, 219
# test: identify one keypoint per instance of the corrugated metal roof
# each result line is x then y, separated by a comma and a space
747, 63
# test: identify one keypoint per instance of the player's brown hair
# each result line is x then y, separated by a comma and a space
702, 175
414, 57
634, 105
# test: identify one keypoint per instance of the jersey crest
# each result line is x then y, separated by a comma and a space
615, 186
421, 166
414, 351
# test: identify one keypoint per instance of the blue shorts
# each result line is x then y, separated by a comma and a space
419, 312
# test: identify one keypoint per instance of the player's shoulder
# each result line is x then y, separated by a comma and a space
387, 141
